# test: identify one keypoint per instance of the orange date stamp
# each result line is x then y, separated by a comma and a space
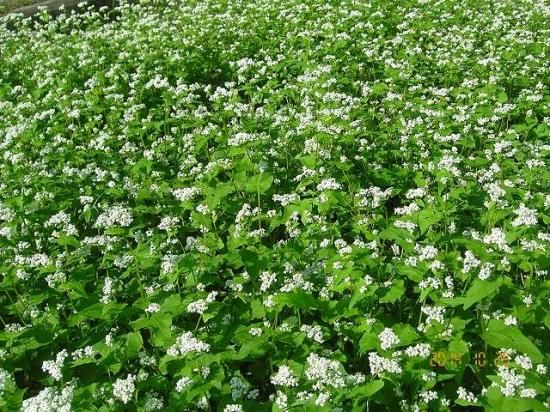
449, 359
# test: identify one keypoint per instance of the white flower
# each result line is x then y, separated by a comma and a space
428, 396
284, 377
525, 216
50, 400
420, 350
470, 262
494, 191
183, 383
55, 279
464, 395
233, 408
202, 403
373, 196
388, 338
107, 290
123, 389
267, 279
324, 372
510, 320
255, 331
34, 261
322, 398
168, 223
512, 382
527, 300
313, 332
86, 352
430, 282
429, 376
524, 362
6, 232
186, 193
168, 263
115, 216
4, 378
199, 306
409, 226
157, 82
407, 210
123, 261
286, 199
343, 247
329, 184
153, 402
281, 400
485, 271
53, 367
241, 138
60, 219
187, 343
527, 393
238, 387
379, 364
416, 193
426, 252
434, 314
497, 237
6, 214
152, 308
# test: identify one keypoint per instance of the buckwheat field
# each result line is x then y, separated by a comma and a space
276, 205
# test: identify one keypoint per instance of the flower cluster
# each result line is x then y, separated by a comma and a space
123, 389
187, 343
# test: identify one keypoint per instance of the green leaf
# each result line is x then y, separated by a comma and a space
463, 402
84, 273
253, 262
498, 335
300, 300
68, 241
399, 236
411, 272
497, 402
186, 263
368, 341
259, 183
96, 311
392, 294
427, 218
75, 287
480, 289
366, 390
134, 343
252, 348
502, 97
160, 325
173, 305
458, 346
406, 333
258, 311
372, 387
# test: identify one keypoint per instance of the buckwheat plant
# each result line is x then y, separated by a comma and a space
268, 205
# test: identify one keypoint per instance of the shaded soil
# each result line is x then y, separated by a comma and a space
30, 7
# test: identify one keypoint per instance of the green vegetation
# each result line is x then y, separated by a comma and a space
274, 205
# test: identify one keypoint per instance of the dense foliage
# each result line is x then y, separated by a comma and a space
276, 205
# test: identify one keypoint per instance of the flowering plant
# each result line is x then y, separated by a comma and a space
274, 205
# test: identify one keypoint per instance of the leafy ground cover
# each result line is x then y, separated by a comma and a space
276, 205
